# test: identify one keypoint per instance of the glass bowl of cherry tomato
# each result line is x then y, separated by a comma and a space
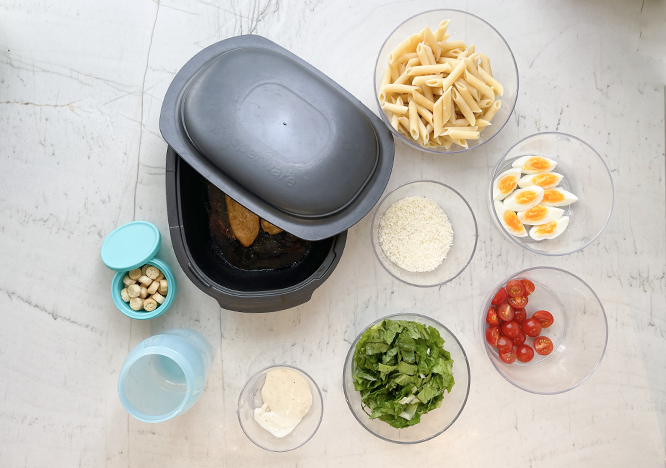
544, 330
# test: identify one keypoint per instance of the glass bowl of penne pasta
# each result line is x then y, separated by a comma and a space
445, 81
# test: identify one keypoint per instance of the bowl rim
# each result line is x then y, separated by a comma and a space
350, 354
524, 246
483, 325
375, 246
265, 369
382, 115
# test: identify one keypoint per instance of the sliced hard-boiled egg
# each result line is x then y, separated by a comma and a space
546, 180
540, 214
505, 183
534, 164
558, 197
509, 220
549, 230
524, 199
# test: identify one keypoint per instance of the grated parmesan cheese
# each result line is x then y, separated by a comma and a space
415, 234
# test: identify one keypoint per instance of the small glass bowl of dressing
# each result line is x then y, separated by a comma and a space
250, 399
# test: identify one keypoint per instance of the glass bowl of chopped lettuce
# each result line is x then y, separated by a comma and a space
406, 378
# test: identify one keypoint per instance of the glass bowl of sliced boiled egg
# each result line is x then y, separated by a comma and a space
551, 193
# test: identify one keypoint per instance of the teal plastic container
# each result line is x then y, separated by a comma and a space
128, 247
164, 375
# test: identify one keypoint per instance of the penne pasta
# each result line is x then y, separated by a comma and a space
425, 113
492, 82
480, 85
437, 116
422, 100
394, 121
404, 122
485, 63
404, 47
462, 105
438, 92
429, 37
421, 79
457, 134
399, 88
450, 45
396, 109
413, 121
441, 30
424, 135
447, 106
454, 75
492, 110
465, 94
427, 92
472, 90
404, 78
404, 58
471, 68
413, 62
430, 69
395, 73
447, 141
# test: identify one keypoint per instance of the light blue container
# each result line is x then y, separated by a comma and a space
164, 375
128, 247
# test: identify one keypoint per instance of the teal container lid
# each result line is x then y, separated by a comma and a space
131, 245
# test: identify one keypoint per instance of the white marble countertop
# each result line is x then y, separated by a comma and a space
81, 86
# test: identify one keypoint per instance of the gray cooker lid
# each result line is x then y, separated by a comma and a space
278, 136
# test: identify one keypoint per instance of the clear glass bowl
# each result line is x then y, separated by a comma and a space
473, 30
436, 421
585, 175
463, 222
579, 333
250, 398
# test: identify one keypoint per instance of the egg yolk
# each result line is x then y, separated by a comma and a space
537, 163
544, 180
546, 229
552, 196
507, 184
513, 223
536, 213
526, 197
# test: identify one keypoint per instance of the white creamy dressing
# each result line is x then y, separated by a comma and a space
287, 399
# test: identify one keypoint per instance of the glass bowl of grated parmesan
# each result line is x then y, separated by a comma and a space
424, 233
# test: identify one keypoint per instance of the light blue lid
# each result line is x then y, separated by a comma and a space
131, 245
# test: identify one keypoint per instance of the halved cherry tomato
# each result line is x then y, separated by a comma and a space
492, 335
531, 327
528, 285
505, 312
519, 315
518, 302
524, 353
504, 344
515, 288
543, 345
510, 329
499, 298
508, 357
544, 317
491, 317
519, 339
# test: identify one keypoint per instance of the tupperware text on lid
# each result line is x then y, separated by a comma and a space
278, 136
